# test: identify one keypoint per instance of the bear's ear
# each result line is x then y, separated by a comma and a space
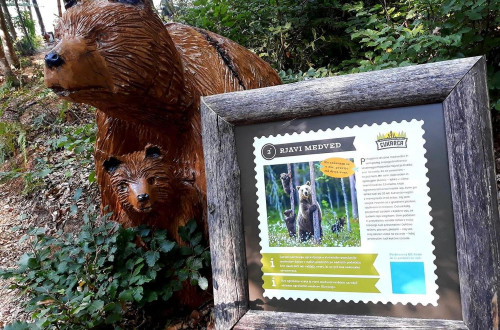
298, 188
131, 2
111, 164
152, 151
69, 3
308, 183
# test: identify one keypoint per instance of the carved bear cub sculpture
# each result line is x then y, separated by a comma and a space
305, 216
146, 79
152, 192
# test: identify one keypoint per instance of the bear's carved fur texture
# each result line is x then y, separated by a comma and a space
146, 79
305, 216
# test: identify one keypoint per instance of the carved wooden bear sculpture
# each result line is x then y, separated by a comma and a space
151, 191
146, 79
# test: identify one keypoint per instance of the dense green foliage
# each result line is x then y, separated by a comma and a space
27, 45
77, 139
102, 275
329, 37
12, 138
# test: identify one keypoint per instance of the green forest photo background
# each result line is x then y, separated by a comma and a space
334, 196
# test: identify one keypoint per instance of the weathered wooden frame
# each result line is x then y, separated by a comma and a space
461, 87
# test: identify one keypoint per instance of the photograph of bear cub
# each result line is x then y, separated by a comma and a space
334, 201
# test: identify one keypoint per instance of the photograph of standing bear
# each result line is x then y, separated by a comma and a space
306, 209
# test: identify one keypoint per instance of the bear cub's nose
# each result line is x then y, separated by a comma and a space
53, 60
143, 197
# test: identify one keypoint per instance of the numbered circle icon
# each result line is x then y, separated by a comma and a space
268, 151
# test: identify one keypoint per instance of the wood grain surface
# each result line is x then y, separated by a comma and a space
412, 85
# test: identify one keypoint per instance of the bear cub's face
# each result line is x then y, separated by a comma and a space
305, 191
141, 179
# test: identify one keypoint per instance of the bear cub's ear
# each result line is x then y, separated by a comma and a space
69, 3
308, 183
298, 187
152, 151
111, 164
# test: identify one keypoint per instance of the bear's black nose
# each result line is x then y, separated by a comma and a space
142, 197
53, 60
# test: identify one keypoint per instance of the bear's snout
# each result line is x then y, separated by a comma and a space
143, 198
53, 60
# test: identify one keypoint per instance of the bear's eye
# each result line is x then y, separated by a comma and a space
152, 180
98, 40
123, 186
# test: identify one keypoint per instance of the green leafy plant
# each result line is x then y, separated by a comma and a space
12, 138
286, 33
296, 36
289, 76
27, 45
401, 33
102, 274
79, 140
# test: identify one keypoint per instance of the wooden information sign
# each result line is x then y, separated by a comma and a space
365, 200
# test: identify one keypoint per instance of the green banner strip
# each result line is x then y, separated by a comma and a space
320, 283
319, 263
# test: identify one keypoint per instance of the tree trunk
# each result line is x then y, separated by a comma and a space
6, 13
295, 175
23, 24
274, 198
346, 203
316, 224
39, 16
7, 42
30, 11
330, 199
59, 8
292, 196
5, 67
337, 198
354, 198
